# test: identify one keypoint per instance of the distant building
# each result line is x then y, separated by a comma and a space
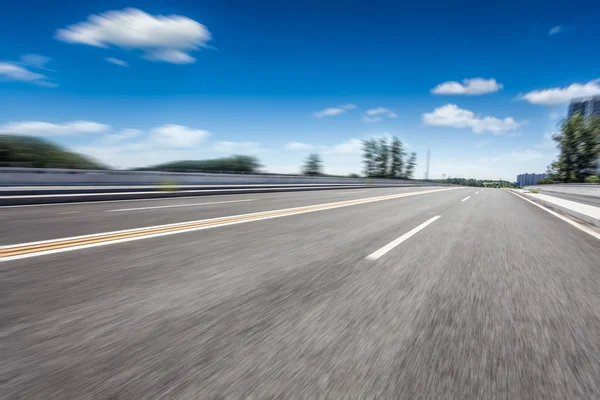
530, 179
587, 107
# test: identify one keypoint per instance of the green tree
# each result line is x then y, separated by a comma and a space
588, 149
579, 149
410, 165
382, 157
397, 158
554, 171
545, 181
567, 143
369, 154
313, 165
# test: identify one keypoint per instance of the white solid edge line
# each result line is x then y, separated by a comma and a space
566, 219
466, 198
382, 251
179, 205
300, 211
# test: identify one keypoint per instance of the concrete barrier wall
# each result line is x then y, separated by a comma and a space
569, 188
48, 176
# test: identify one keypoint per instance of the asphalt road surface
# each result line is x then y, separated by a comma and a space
413, 293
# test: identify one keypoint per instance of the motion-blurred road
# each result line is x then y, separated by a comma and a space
417, 293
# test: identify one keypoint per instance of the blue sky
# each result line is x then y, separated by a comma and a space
142, 82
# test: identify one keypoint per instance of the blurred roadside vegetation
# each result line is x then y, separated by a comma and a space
235, 164
32, 152
579, 145
477, 182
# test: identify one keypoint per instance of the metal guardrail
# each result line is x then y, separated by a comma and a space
50, 176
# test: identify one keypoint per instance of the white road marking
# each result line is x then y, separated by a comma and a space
257, 217
382, 251
477, 192
68, 212
466, 198
179, 205
577, 225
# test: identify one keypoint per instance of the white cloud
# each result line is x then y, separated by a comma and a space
18, 73
474, 86
35, 60
15, 72
171, 56
554, 30
237, 147
377, 114
366, 118
38, 128
381, 111
452, 116
333, 111
298, 146
165, 38
350, 146
123, 136
116, 61
177, 136
562, 95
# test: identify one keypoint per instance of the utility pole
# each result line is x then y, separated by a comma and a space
427, 167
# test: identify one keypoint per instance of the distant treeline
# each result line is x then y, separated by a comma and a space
476, 182
31, 152
236, 163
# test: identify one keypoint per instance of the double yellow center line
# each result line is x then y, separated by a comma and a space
17, 251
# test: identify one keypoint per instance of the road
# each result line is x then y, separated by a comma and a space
413, 293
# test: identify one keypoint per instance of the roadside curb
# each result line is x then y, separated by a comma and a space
564, 210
